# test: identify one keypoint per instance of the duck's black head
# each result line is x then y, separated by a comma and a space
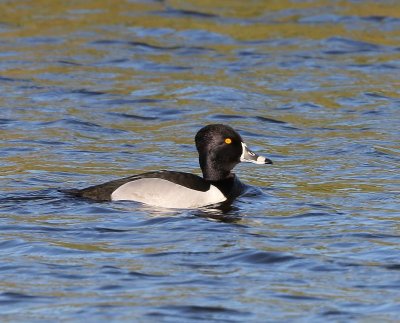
220, 149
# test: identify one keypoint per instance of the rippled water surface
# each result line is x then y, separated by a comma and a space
92, 91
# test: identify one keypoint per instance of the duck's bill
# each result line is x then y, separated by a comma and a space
250, 157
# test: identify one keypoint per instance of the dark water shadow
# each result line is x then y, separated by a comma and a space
258, 257
225, 212
10, 298
343, 46
42, 195
172, 12
198, 313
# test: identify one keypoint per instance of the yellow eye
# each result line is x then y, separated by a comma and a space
228, 141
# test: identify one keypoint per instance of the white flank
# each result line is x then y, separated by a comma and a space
163, 193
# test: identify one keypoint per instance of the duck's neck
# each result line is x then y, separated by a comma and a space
213, 172
216, 177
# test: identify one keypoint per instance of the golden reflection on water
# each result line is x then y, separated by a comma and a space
60, 19
72, 26
51, 18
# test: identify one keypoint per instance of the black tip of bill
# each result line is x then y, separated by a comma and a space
267, 161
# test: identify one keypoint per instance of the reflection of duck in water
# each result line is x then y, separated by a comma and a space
220, 149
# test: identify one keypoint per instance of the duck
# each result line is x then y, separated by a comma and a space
220, 149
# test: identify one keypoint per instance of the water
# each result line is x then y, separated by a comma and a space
92, 92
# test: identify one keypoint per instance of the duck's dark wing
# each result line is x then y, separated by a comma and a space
104, 191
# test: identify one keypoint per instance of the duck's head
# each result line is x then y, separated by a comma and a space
220, 149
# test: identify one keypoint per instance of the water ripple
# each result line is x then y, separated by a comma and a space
115, 90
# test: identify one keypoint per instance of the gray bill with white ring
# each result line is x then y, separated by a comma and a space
249, 156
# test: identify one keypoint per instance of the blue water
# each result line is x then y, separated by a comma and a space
92, 92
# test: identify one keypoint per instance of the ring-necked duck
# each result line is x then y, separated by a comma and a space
220, 149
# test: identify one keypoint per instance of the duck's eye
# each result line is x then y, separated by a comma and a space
228, 141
